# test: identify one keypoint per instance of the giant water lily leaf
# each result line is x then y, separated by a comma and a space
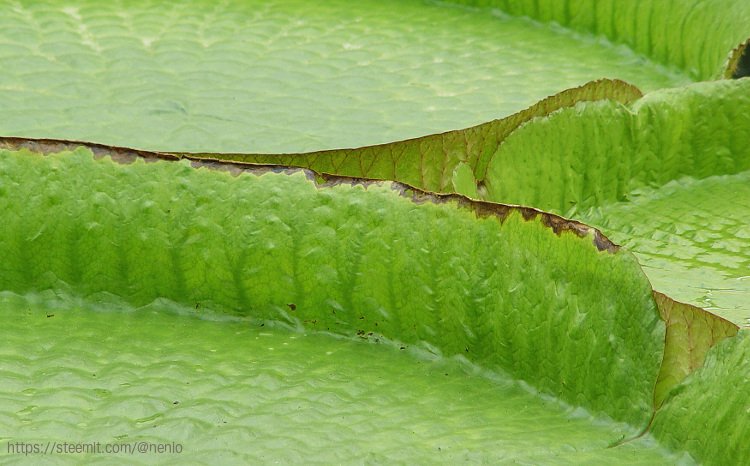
626, 165
623, 164
445, 162
546, 304
709, 411
517, 291
283, 76
104, 372
692, 237
692, 35
665, 176
680, 133
511, 288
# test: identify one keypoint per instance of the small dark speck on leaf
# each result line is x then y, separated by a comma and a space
50, 315
197, 305
403, 347
292, 306
175, 402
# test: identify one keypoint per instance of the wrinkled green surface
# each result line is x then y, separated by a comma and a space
282, 76
692, 35
611, 163
693, 238
625, 169
597, 153
511, 295
236, 393
168, 80
444, 162
709, 414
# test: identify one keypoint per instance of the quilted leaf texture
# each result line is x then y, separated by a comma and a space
283, 76
516, 289
536, 287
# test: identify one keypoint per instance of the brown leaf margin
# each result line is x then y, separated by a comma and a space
481, 209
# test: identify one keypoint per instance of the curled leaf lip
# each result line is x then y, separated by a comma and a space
555, 222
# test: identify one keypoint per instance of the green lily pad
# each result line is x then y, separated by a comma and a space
558, 317
665, 175
378, 257
692, 237
694, 36
237, 393
283, 76
710, 410
103, 228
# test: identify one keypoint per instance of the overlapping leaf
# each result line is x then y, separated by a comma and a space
550, 301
